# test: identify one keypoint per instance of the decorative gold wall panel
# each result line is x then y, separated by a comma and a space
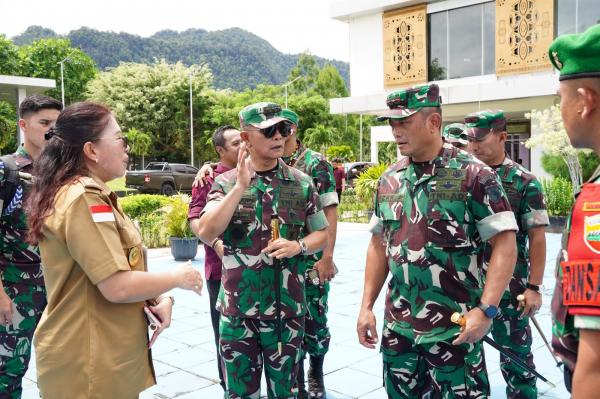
524, 31
405, 47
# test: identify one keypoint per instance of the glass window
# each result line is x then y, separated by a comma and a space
575, 16
489, 38
438, 46
588, 14
462, 42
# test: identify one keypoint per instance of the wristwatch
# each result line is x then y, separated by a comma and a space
533, 287
303, 247
490, 311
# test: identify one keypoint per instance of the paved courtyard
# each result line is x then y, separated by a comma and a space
185, 361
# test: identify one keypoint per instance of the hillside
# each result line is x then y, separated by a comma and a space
237, 58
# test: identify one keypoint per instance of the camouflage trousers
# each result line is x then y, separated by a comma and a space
29, 302
248, 345
316, 334
514, 334
437, 370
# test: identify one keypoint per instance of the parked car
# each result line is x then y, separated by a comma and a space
353, 169
162, 177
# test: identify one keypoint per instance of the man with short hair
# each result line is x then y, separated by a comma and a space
226, 142
576, 303
316, 332
339, 174
487, 135
433, 211
22, 290
262, 302
454, 133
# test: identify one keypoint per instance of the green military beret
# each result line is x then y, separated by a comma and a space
290, 116
454, 133
404, 103
261, 115
577, 56
479, 124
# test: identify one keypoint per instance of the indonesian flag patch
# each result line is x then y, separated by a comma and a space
102, 213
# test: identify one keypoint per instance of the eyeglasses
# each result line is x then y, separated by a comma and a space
124, 138
284, 128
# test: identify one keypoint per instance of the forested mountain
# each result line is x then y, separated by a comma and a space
237, 58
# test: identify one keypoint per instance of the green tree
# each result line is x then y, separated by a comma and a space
307, 70
330, 83
139, 143
8, 128
344, 152
41, 60
9, 57
155, 99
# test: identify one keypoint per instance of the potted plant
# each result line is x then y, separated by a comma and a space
184, 244
559, 199
366, 186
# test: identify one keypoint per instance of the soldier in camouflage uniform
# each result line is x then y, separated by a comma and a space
487, 135
433, 211
576, 303
316, 331
454, 133
22, 292
261, 300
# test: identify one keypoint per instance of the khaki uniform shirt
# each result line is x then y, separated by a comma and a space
86, 346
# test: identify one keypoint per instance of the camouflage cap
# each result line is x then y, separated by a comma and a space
290, 116
577, 56
455, 133
404, 103
261, 115
479, 124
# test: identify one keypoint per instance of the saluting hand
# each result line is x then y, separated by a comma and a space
6, 309
188, 278
366, 328
244, 167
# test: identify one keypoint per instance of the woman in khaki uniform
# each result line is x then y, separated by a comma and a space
92, 341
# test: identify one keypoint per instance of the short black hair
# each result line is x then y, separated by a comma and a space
218, 137
36, 102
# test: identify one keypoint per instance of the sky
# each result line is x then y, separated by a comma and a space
290, 26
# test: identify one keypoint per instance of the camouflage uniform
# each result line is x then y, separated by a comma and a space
23, 282
509, 329
247, 298
317, 335
433, 218
454, 133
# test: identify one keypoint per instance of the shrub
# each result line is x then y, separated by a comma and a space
559, 196
139, 205
556, 166
340, 151
176, 217
366, 184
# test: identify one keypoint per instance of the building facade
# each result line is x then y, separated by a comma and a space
482, 54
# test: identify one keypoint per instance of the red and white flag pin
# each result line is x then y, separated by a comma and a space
102, 213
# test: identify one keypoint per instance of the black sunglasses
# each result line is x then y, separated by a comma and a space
284, 128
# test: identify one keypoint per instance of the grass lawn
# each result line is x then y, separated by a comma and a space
117, 184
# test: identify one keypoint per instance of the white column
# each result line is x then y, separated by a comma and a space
536, 158
21, 94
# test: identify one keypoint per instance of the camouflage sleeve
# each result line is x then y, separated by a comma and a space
375, 224
216, 194
587, 322
315, 217
533, 206
322, 175
489, 205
